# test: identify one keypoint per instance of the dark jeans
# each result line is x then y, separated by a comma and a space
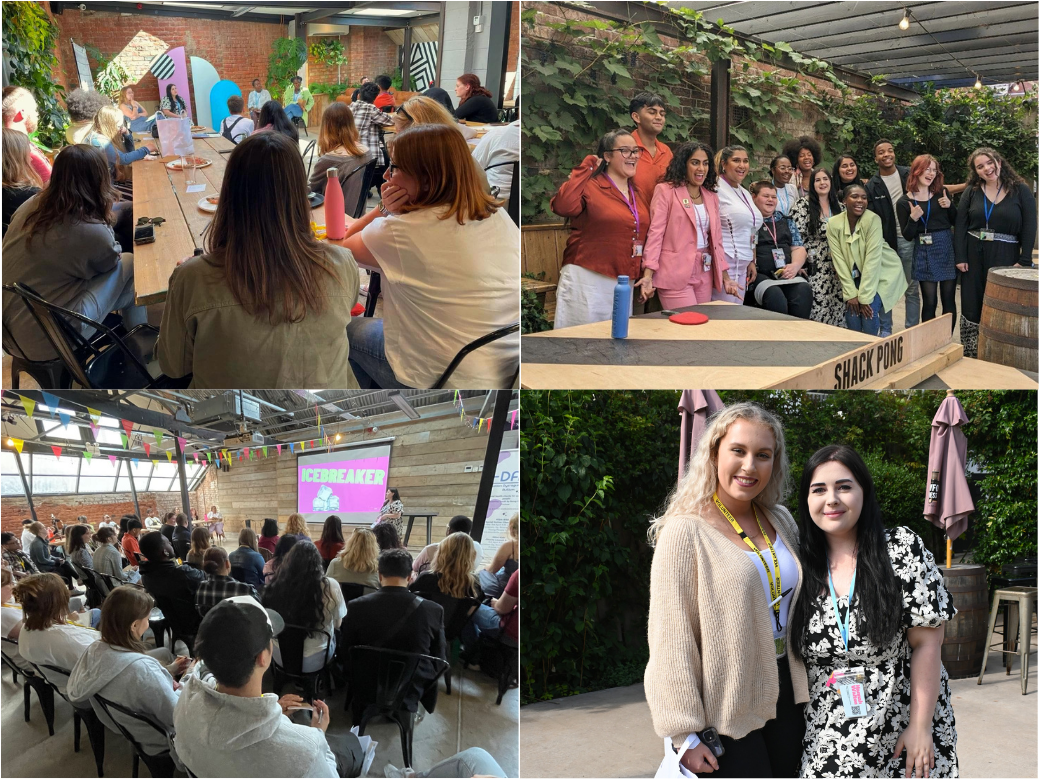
775, 749
792, 299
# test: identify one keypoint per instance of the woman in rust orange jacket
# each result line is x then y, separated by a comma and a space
608, 230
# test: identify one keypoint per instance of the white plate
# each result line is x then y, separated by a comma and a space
209, 208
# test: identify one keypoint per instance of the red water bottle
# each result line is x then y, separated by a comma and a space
335, 217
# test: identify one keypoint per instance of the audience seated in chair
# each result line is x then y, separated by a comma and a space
181, 537
232, 728
173, 586
247, 560
495, 575
21, 114
285, 543
304, 596
18, 561
268, 535
331, 541
20, 181
273, 119
40, 553
340, 147
131, 540
358, 563
11, 619
460, 523
108, 561
77, 545
219, 584
168, 525
387, 536
200, 542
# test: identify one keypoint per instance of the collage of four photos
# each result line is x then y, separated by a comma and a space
723, 313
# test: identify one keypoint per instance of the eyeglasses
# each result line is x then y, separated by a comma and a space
405, 114
155, 220
391, 168
627, 151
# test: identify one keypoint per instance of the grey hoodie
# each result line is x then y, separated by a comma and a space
224, 735
131, 679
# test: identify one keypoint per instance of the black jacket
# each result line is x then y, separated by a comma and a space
173, 587
181, 541
880, 202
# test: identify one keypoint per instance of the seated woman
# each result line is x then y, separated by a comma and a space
82, 106
260, 307
285, 543
108, 134
331, 541
122, 669
273, 119
780, 284
448, 256
304, 597
219, 584
340, 147
358, 563
247, 558
11, 619
75, 210
387, 537
475, 102
20, 181
109, 561
269, 535
172, 106
495, 575
296, 525
200, 542
77, 545
140, 121
426, 110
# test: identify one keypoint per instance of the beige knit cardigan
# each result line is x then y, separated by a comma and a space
712, 656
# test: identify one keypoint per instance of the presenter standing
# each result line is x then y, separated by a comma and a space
392, 511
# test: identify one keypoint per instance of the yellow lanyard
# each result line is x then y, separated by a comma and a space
774, 575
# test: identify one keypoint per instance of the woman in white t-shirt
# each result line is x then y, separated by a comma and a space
448, 254
740, 219
10, 619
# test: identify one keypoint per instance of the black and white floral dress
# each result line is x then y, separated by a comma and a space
838, 746
828, 305
394, 507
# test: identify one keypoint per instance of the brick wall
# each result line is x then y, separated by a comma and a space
238, 50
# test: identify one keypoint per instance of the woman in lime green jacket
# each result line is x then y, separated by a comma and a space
297, 100
870, 272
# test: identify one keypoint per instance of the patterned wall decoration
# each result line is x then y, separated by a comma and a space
424, 65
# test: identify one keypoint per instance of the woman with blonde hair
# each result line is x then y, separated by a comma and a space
20, 181
140, 121
448, 255
495, 575
108, 134
200, 542
358, 563
339, 145
296, 525
425, 110
723, 581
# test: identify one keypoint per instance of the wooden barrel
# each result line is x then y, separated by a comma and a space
1008, 327
964, 646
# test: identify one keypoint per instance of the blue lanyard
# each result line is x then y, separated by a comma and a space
928, 213
991, 205
843, 627
630, 201
787, 198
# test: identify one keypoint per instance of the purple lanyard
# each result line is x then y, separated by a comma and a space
702, 229
630, 201
744, 200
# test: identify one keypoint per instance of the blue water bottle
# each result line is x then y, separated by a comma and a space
622, 308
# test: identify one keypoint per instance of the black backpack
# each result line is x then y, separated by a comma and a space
227, 128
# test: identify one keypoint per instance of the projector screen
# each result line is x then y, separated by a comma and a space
350, 483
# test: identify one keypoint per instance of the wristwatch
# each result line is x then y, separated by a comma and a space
382, 209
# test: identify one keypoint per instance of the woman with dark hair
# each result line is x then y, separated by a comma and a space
340, 147
780, 172
76, 545
200, 542
995, 228
219, 583
304, 597
442, 97
260, 308
285, 543
387, 536
74, 210
392, 510
870, 630
810, 215
331, 541
684, 259
273, 119
805, 154
268, 535
608, 230
740, 220
475, 102
172, 106
845, 172
925, 216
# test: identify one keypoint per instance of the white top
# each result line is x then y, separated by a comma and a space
335, 611
27, 539
788, 579
257, 99
59, 645
10, 616
445, 285
500, 144
786, 197
740, 221
895, 187
242, 128
700, 216
214, 515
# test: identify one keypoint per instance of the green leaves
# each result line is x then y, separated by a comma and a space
30, 39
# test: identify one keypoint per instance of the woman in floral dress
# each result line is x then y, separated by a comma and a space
891, 714
810, 215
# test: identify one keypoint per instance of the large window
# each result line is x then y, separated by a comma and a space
72, 474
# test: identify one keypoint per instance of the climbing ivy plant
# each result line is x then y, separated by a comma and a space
287, 57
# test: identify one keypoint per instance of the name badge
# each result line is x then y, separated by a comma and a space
637, 250
926, 239
987, 235
779, 259
850, 683
706, 259
855, 274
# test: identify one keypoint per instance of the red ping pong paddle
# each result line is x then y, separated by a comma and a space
688, 318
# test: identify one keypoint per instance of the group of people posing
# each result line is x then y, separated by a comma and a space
826, 245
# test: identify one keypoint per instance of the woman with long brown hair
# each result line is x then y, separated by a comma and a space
20, 181
200, 542
340, 147
61, 243
475, 102
448, 255
264, 305
331, 541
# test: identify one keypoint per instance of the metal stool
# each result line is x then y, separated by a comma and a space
1024, 599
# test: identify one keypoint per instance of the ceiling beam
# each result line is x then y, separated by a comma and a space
870, 55
324, 12
114, 6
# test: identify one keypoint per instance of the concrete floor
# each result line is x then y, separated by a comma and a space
996, 729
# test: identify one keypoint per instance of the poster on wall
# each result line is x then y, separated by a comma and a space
504, 503
350, 483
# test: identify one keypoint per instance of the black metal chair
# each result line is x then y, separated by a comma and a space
80, 714
472, 347
46, 373
513, 204
457, 614
385, 682
32, 681
308, 154
351, 591
290, 666
119, 364
181, 619
508, 663
299, 124
366, 185
158, 765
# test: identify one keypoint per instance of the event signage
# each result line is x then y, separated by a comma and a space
503, 504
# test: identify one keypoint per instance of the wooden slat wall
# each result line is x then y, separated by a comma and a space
542, 249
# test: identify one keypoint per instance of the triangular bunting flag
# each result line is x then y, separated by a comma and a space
18, 443
136, 462
65, 418
112, 459
28, 404
128, 426
94, 429
265, 451
147, 449
196, 456
87, 454
125, 440
480, 423
57, 451
169, 456
95, 415
292, 448
158, 436
247, 452
279, 450
303, 446
51, 402
182, 442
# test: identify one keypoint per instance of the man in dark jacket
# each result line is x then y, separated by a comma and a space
394, 618
173, 586
181, 538
883, 190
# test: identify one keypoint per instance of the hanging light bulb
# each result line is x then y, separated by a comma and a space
10, 442
904, 23
978, 82
338, 436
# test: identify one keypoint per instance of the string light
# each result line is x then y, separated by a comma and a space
338, 436
10, 442
978, 82
904, 23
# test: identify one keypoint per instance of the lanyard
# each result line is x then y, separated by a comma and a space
928, 212
987, 206
786, 197
630, 201
702, 230
843, 627
744, 200
774, 574
772, 232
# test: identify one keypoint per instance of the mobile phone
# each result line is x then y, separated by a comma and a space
710, 739
144, 234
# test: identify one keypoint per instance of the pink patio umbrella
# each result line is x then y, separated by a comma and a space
948, 502
695, 406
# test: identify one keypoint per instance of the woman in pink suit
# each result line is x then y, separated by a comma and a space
684, 259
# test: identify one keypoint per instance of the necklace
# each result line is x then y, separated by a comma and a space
689, 190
